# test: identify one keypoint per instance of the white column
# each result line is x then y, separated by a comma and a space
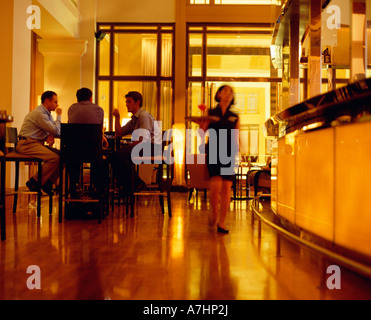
62, 69
88, 10
21, 65
20, 77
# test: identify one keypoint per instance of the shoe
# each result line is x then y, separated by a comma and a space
47, 187
32, 185
222, 230
142, 187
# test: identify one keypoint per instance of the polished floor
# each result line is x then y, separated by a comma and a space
153, 257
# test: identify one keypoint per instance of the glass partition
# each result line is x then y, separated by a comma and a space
167, 55
104, 56
136, 57
231, 55
135, 54
195, 98
148, 90
104, 102
237, 55
195, 46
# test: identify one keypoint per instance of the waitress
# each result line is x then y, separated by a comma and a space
221, 155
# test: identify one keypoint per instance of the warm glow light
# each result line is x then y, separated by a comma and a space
177, 241
263, 41
115, 238
290, 143
313, 126
179, 147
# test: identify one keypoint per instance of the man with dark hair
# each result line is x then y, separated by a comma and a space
84, 94
151, 139
84, 111
140, 119
39, 127
136, 96
47, 95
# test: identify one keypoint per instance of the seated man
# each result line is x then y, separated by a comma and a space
150, 143
84, 111
39, 127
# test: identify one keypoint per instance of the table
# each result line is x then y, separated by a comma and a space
241, 184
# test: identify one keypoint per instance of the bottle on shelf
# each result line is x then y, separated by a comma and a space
326, 56
303, 58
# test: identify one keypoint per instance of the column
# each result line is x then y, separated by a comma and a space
358, 59
285, 74
294, 54
6, 54
62, 69
180, 62
315, 49
180, 84
21, 63
88, 10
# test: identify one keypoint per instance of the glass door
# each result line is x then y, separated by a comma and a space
237, 55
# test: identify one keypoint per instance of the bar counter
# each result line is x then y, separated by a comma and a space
321, 168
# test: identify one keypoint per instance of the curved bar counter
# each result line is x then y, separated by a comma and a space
321, 169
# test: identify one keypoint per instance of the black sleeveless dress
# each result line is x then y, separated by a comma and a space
222, 149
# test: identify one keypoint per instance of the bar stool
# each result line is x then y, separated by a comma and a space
17, 158
162, 187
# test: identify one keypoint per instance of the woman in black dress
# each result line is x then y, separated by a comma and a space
221, 155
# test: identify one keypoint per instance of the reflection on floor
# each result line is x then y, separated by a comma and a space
153, 257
